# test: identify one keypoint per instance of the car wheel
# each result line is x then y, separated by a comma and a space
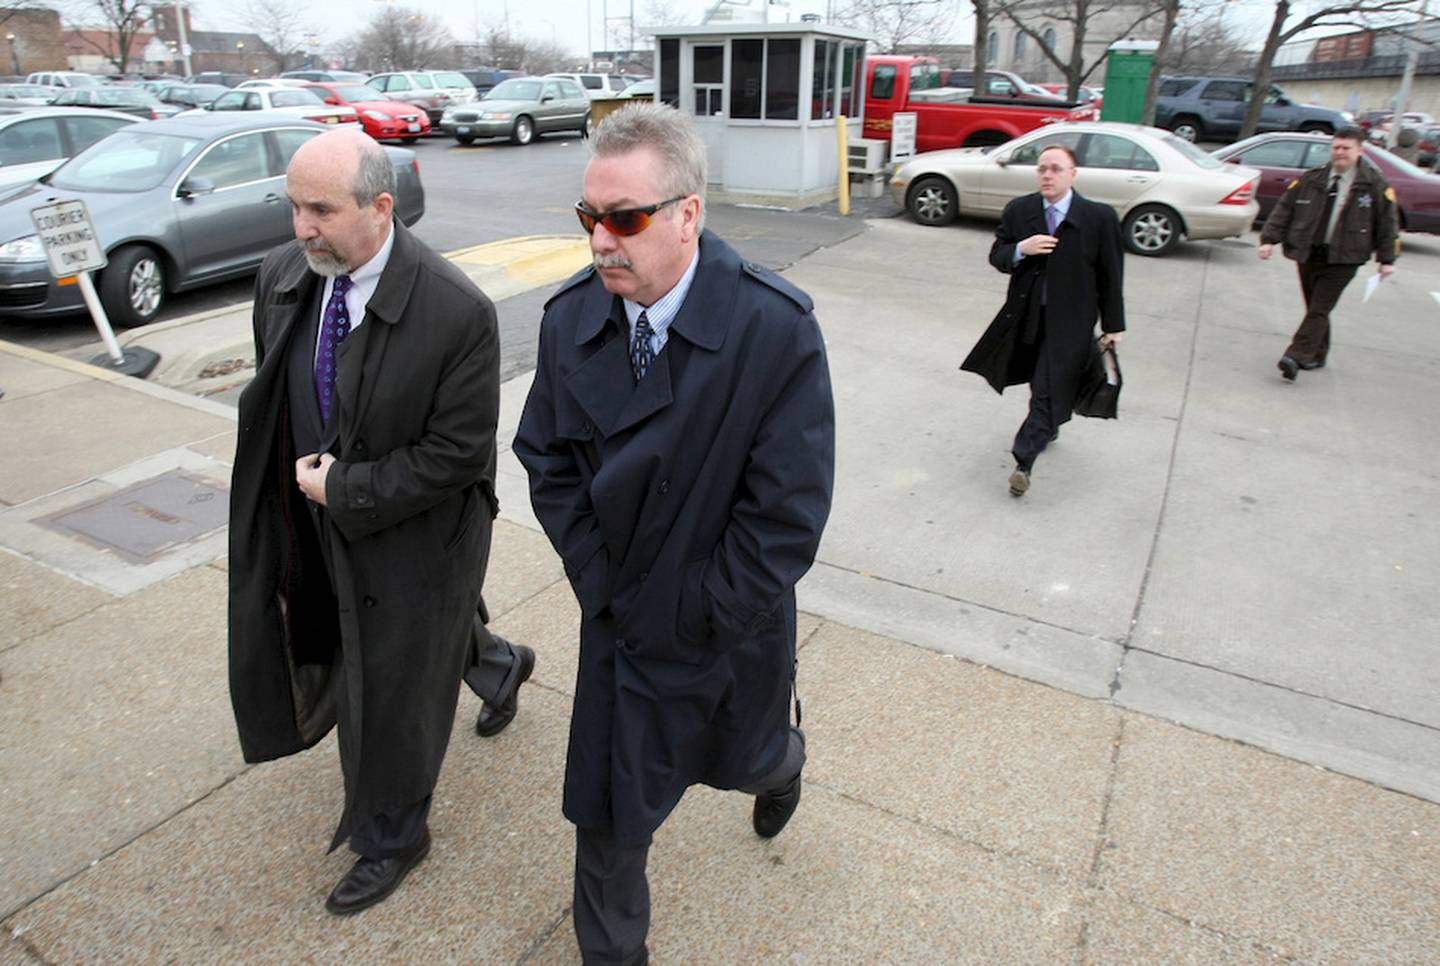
589, 126
932, 201
1318, 127
1152, 230
132, 286
466, 139
524, 131
1187, 128
411, 140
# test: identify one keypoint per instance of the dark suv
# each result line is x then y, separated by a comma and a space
1213, 108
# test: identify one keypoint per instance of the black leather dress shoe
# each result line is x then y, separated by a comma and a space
1288, 367
369, 881
1307, 366
492, 719
773, 809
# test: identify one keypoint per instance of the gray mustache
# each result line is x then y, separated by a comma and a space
612, 261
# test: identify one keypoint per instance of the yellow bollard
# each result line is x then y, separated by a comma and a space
844, 154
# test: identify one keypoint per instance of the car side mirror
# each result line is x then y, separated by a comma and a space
546, 99
193, 187
1282, 102
332, 99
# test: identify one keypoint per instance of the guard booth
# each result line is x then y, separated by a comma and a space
1127, 74
765, 97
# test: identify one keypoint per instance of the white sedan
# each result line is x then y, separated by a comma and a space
1162, 187
279, 100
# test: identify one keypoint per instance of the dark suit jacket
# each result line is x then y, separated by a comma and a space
1084, 280
410, 502
685, 509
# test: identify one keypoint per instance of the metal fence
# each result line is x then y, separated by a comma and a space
1385, 65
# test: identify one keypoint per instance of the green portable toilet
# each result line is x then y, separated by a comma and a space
1127, 71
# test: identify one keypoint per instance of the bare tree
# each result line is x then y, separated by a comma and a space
401, 38
1285, 25
982, 42
546, 57
502, 48
283, 25
1203, 43
122, 20
1170, 13
899, 23
1081, 16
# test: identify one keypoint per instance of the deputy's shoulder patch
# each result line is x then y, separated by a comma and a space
1390, 194
579, 278
766, 277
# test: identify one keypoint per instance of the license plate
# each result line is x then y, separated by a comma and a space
462, 130
413, 127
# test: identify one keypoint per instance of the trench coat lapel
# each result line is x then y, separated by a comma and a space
293, 294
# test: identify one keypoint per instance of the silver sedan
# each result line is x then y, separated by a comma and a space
1163, 188
176, 204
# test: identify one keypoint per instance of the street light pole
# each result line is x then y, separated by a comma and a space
240, 46
14, 57
184, 38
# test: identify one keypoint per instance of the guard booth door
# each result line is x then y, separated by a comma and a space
706, 101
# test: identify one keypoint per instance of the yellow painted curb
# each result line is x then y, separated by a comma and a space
534, 259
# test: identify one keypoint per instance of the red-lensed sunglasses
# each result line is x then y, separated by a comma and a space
622, 221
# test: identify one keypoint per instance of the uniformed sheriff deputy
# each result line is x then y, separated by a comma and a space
1329, 221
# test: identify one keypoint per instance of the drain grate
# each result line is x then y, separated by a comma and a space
143, 521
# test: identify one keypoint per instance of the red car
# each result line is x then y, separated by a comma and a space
1282, 157
381, 118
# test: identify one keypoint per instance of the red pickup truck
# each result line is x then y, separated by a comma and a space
949, 117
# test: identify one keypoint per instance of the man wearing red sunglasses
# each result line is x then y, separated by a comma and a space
679, 438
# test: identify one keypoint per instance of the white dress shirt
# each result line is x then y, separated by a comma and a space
364, 280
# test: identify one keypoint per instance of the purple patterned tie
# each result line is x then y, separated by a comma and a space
641, 353
1052, 221
334, 327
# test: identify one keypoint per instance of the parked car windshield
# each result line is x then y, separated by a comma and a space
124, 96
295, 98
82, 80
125, 161
1190, 151
515, 90
451, 79
356, 92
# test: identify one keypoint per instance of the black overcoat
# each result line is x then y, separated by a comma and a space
685, 509
1084, 279
410, 506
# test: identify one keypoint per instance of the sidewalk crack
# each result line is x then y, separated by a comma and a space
529, 954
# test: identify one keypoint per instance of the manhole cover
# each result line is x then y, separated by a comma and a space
143, 521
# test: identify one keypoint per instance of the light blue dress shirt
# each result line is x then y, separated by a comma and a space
663, 312
1062, 206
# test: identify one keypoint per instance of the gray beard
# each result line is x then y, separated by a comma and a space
324, 262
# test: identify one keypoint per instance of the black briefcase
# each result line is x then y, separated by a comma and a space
1099, 395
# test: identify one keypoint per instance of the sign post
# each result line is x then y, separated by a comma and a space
72, 249
902, 135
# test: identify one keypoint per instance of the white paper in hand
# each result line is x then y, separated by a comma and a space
1371, 284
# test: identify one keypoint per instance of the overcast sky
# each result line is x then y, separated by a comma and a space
565, 21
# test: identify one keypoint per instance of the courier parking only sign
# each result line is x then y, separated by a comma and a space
68, 238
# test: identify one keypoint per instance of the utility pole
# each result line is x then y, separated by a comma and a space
184, 39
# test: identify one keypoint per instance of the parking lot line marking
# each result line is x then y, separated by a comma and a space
513, 265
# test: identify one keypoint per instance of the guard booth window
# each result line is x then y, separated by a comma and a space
850, 72
782, 80
670, 71
708, 72
822, 95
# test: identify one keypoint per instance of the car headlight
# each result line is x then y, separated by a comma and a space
496, 115
377, 116
27, 249
449, 114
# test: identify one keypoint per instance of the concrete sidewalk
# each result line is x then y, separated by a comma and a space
989, 684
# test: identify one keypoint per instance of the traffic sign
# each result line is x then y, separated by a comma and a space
68, 238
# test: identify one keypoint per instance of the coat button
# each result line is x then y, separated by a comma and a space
362, 500
664, 486
359, 446
644, 576
369, 601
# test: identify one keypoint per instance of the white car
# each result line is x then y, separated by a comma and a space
272, 82
279, 100
1162, 186
599, 85
36, 141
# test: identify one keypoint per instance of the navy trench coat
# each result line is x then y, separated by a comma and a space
685, 509
1084, 279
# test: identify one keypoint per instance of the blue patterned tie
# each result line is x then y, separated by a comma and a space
333, 330
641, 354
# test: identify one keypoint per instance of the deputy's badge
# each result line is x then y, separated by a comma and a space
1292, 184
1390, 195
1365, 201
